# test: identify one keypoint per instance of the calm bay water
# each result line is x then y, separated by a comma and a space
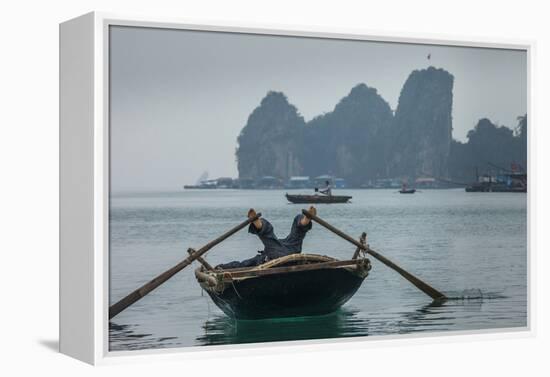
471, 246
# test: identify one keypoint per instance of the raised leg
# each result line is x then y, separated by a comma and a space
266, 234
300, 226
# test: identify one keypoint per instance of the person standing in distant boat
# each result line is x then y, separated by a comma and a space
327, 190
274, 247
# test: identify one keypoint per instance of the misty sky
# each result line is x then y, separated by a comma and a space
180, 98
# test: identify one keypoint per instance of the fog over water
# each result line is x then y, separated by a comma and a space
180, 98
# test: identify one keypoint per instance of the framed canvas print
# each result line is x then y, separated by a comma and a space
223, 186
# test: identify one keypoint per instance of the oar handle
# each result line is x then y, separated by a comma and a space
160, 279
424, 287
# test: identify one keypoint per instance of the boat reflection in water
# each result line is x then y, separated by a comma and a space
225, 330
346, 322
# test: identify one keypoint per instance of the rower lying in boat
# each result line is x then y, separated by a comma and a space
274, 247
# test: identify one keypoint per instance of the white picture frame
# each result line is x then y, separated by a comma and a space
84, 185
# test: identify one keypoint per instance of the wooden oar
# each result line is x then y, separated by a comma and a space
424, 287
148, 287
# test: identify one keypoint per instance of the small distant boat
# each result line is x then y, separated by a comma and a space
507, 181
407, 191
295, 285
514, 182
201, 187
494, 188
323, 199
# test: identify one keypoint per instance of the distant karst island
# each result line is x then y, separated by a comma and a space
363, 141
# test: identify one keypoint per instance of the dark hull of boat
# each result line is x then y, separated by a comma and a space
410, 191
199, 187
297, 294
323, 199
487, 188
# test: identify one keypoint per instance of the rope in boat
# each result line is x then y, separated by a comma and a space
208, 311
233, 285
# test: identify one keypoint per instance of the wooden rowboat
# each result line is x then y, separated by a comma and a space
292, 286
323, 199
